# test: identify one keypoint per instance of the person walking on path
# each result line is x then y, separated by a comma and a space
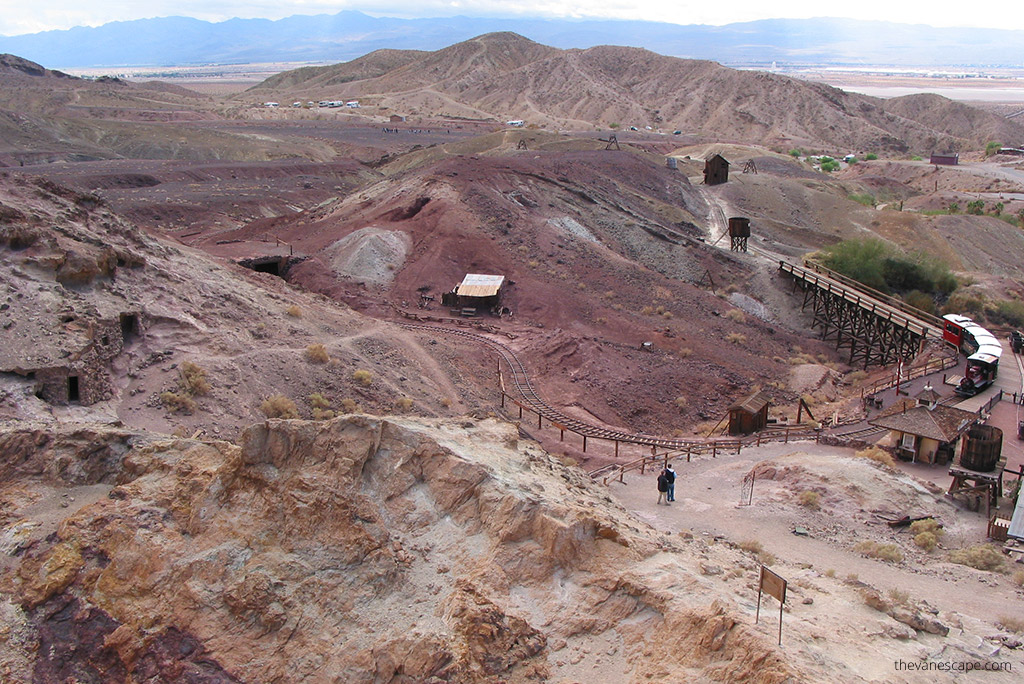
663, 488
670, 475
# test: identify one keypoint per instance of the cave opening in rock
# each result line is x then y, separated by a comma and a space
73, 388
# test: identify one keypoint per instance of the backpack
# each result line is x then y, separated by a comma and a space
662, 483
670, 475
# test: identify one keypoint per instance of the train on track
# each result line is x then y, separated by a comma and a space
982, 348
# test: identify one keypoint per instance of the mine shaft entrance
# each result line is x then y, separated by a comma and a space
274, 265
129, 328
73, 395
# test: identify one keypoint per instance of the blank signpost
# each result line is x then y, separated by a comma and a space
773, 585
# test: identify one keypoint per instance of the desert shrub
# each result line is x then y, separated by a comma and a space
1008, 312
976, 207
685, 353
319, 401
736, 315
1011, 624
887, 552
279, 406
193, 380
294, 311
830, 572
753, 546
979, 556
871, 156
810, 499
916, 157
666, 314
323, 414
877, 455
736, 338
898, 596
350, 406
830, 165
795, 153
403, 403
921, 300
681, 402
965, 303
178, 402
647, 310
926, 540
363, 377
865, 198
446, 402
1018, 577
317, 353
930, 525
992, 147
855, 377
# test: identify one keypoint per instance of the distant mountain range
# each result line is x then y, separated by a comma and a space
344, 36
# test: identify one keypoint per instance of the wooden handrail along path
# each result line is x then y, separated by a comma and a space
527, 399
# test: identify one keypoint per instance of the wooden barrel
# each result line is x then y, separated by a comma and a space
983, 448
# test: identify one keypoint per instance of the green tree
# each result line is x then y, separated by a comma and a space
871, 156
992, 147
998, 208
953, 208
976, 207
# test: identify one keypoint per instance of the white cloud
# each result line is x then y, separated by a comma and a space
41, 15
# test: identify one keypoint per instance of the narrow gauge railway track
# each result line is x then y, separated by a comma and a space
531, 400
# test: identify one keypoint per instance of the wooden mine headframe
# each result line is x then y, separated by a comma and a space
612, 140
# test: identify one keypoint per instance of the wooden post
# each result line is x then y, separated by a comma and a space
616, 448
520, 411
561, 434
538, 420
503, 399
584, 444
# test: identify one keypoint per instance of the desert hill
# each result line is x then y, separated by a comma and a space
506, 76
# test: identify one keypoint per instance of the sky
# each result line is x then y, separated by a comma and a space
30, 16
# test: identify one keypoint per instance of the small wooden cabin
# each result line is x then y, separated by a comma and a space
716, 170
749, 415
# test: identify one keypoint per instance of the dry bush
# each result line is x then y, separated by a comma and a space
1011, 624
681, 402
736, 315
736, 338
855, 377
753, 546
1018, 577
830, 572
319, 401
403, 403
647, 310
279, 406
176, 402
317, 353
660, 310
877, 455
350, 406
666, 314
810, 499
979, 556
927, 525
294, 311
533, 263
898, 596
600, 320
323, 414
685, 353
446, 402
886, 552
193, 380
926, 540
610, 294
363, 377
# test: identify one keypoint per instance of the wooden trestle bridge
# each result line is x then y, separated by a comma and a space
876, 328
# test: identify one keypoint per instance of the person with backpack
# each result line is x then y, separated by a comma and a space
663, 488
670, 475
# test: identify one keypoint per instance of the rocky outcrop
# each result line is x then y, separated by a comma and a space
362, 550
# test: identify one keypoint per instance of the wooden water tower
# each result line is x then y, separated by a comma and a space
739, 231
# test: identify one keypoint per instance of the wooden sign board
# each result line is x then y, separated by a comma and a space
773, 585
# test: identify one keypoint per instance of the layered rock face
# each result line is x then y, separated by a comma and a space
356, 550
